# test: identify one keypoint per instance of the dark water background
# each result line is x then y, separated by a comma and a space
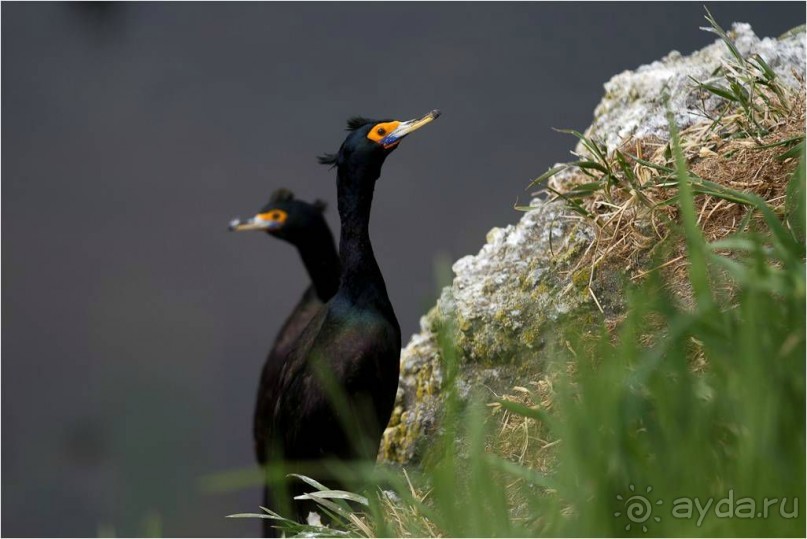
134, 325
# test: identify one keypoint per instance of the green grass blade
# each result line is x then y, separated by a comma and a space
571, 202
792, 152
338, 495
591, 145
590, 165
546, 175
725, 93
525, 411
695, 245
715, 28
523, 472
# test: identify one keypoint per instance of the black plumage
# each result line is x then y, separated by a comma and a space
337, 386
304, 226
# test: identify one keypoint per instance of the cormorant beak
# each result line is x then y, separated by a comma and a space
255, 223
404, 128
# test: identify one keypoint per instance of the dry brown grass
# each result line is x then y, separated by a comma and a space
525, 440
406, 519
521, 439
632, 219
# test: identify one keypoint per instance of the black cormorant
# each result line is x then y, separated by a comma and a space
337, 387
304, 226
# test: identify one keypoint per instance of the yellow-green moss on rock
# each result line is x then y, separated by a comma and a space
501, 305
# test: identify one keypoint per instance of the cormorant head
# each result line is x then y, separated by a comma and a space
371, 141
284, 217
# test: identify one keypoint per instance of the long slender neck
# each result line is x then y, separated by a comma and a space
321, 261
361, 279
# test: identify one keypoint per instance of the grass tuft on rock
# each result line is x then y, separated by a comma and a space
748, 145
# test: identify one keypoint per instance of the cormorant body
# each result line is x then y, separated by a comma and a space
337, 387
304, 226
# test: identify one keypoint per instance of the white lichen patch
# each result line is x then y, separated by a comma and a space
633, 106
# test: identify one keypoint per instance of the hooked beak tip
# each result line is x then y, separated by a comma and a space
405, 128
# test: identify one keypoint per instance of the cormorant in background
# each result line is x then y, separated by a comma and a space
304, 226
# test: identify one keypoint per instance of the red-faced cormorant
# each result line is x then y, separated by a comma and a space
352, 345
304, 226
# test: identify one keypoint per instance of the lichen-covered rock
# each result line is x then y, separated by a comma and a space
514, 295
633, 106
498, 307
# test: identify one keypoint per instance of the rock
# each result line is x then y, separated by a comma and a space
517, 292
498, 306
633, 108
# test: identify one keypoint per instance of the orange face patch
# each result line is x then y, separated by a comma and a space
379, 131
275, 216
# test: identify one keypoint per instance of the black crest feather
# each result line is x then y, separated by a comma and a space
327, 159
281, 195
357, 122
321, 205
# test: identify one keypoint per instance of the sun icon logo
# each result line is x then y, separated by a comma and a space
638, 508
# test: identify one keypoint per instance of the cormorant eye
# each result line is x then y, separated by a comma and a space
381, 131
277, 216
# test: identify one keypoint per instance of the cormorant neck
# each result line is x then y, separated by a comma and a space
361, 279
321, 261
